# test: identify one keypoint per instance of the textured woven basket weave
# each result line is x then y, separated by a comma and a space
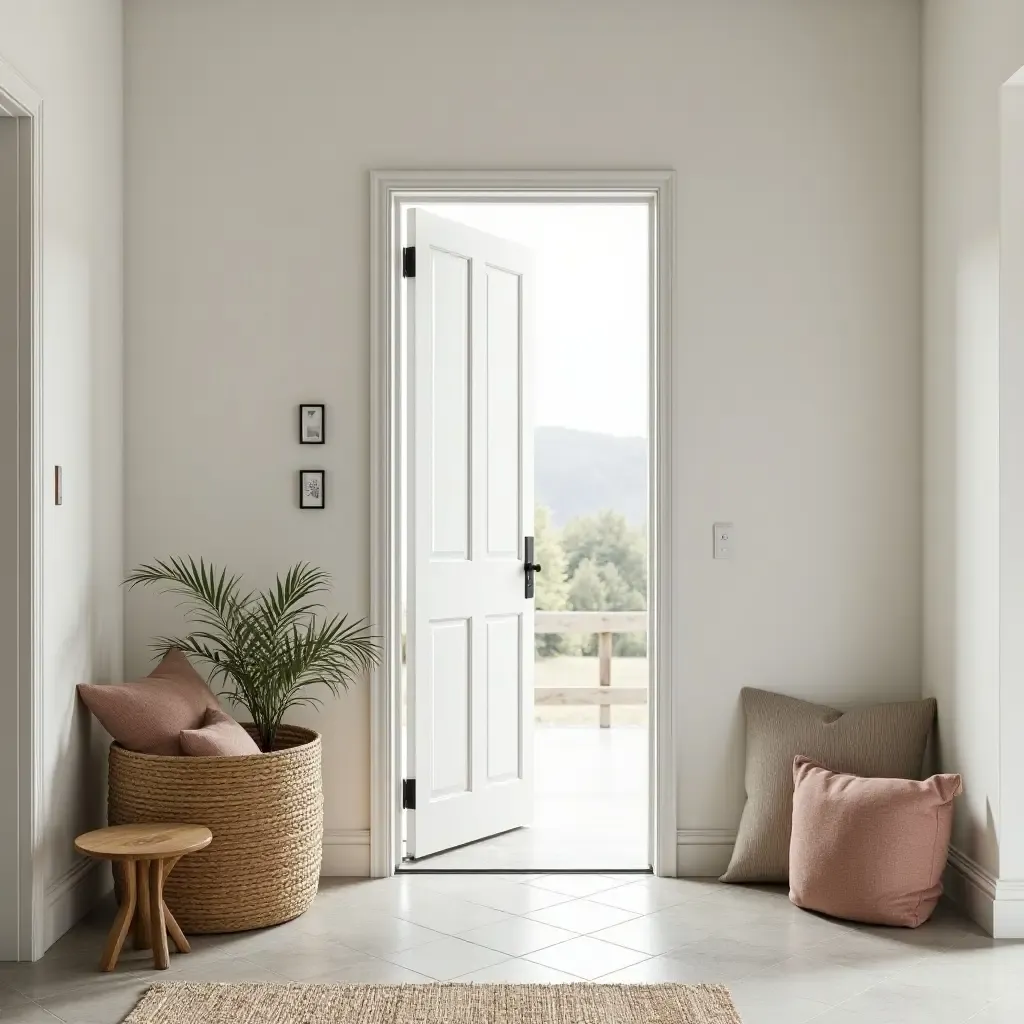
266, 814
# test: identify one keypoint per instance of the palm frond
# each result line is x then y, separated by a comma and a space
216, 592
268, 647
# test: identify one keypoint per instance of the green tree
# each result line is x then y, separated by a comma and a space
587, 590
606, 563
608, 539
552, 588
587, 593
597, 563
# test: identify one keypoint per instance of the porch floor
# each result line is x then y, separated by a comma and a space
590, 812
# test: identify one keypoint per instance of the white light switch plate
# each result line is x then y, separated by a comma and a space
725, 540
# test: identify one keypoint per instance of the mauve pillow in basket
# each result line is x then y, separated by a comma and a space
219, 736
883, 740
869, 850
148, 716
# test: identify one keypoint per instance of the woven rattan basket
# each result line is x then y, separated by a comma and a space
267, 818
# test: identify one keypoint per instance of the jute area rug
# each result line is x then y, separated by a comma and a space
193, 1003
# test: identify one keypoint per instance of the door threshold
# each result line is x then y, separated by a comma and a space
403, 869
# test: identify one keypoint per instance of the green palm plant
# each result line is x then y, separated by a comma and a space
268, 646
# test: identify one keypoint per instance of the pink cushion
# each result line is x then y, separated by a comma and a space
869, 850
148, 716
219, 736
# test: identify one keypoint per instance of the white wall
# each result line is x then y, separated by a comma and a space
9, 596
974, 575
71, 53
1011, 478
795, 128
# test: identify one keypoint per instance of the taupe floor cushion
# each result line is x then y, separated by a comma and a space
881, 741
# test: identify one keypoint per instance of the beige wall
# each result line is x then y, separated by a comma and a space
70, 52
971, 48
794, 127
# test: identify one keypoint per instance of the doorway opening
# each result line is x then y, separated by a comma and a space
21, 924
584, 343
521, 352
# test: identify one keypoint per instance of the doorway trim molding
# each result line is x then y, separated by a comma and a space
388, 190
20, 100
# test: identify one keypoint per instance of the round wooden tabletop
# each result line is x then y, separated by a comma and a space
144, 842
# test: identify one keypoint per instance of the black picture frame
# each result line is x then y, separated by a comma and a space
312, 431
307, 500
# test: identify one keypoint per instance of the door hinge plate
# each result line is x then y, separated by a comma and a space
409, 261
408, 794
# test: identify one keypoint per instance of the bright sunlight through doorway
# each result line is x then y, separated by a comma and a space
590, 438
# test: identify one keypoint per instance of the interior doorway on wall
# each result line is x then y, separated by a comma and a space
21, 499
526, 333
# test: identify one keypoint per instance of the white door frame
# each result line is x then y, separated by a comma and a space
388, 191
25, 701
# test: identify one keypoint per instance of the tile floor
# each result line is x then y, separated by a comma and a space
590, 800
782, 965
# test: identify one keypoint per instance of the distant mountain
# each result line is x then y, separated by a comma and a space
578, 473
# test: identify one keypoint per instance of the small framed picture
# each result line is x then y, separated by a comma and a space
311, 488
311, 424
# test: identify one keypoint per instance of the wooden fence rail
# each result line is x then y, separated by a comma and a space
605, 625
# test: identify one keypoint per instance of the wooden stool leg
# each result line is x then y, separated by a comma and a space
173, 929
124, 917
175, 932
142, 936
157, 921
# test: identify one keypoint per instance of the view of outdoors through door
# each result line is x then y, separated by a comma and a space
589, 388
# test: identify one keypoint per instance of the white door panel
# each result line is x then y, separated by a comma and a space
470, 632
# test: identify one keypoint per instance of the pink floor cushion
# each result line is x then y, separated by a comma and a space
869, 849
219, 736
148, 716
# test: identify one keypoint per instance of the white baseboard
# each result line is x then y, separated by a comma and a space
996, 904
346, 853
703, 852
71, 896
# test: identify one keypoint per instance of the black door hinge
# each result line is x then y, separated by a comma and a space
408, 794
409, 261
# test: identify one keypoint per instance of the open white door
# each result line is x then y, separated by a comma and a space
470, 622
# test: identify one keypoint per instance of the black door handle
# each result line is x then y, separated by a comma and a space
529, 565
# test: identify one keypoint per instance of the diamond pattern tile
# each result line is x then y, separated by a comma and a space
782, 965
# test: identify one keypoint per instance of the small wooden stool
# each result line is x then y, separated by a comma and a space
144, 856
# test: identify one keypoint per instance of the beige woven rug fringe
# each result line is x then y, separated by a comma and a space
193, 1003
